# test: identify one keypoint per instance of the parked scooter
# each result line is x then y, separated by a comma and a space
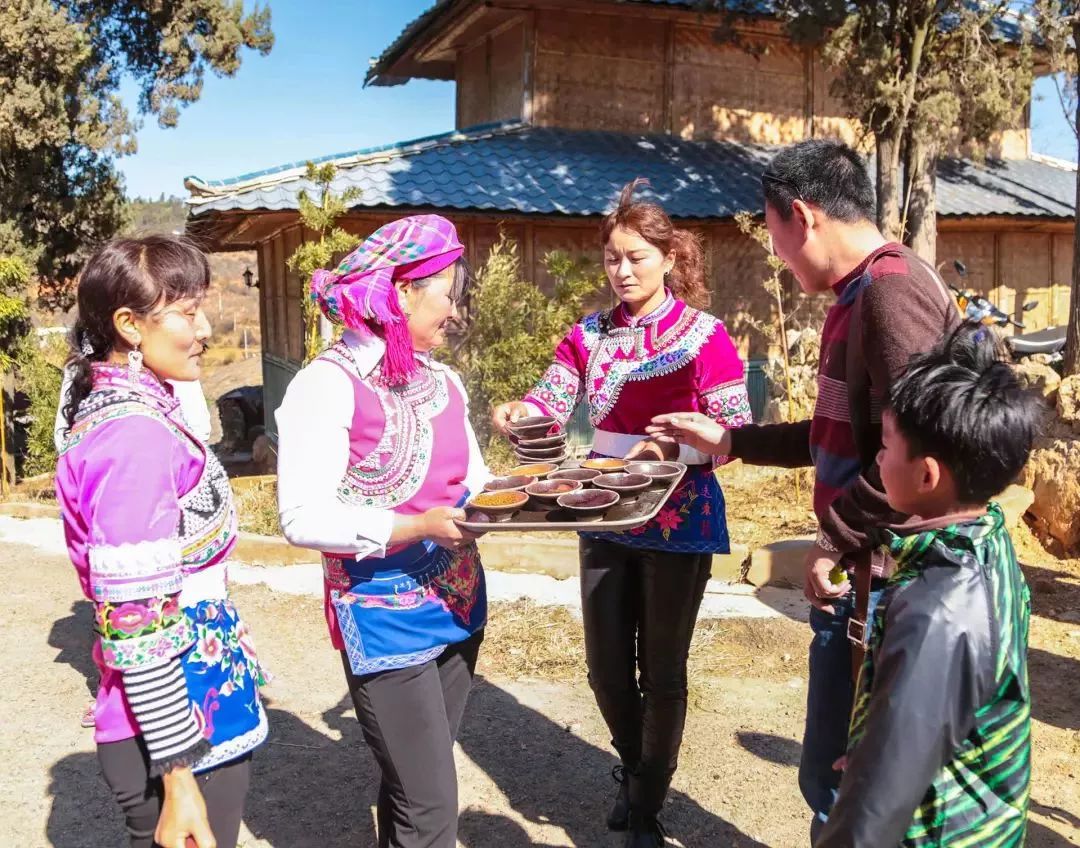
975, 307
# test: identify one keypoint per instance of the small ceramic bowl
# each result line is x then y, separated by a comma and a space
508, 484
530, 455
589, 504
539, 470
534, 427
499, 506
583, 475
661, 473
604, 465
540, 444
546, 492
628, 486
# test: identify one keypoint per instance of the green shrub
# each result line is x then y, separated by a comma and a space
39, 374
513, 328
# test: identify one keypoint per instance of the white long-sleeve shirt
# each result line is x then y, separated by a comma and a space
189, 393
313, 424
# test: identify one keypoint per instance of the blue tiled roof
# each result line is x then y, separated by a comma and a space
515, 168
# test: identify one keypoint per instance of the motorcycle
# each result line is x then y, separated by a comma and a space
975, 307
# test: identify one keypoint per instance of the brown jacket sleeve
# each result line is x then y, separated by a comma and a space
900, 315
780, 445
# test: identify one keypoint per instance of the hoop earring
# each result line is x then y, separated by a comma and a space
135, 363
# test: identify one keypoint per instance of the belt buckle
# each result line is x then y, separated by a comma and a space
856, 633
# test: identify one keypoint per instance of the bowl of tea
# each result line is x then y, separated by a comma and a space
508, 484
588, 504
604, 464
545, 493
585, 476
539, 470
627, 486
661, 473
499, 506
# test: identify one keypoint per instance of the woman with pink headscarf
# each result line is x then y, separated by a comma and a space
376, 459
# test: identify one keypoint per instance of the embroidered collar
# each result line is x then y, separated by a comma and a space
368, 351
623, 318
112, 376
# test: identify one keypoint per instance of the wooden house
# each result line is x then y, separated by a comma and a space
560, 102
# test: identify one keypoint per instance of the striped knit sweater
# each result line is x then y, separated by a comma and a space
939, 752
889, 307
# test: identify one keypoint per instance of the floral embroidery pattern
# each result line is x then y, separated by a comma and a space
729, 404
456, 586
558, 390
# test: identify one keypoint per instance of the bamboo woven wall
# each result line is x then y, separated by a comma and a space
1010, 266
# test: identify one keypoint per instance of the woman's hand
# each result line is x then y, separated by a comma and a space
438, 525
693, 429
506, 414
183, 820
650, 449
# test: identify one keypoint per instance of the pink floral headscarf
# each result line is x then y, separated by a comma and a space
361, 291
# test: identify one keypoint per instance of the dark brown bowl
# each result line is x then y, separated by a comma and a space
604, 464
533, 427
545, 442
661, 473
583, 475
588, 504
508, 484
626, 485
546, 492
497, 511
539, 470
549, 454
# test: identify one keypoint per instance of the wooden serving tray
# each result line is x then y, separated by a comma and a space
622, 516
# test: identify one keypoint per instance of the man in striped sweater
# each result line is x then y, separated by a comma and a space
890, 305
940, 746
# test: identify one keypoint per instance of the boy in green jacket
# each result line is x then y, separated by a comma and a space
939, 751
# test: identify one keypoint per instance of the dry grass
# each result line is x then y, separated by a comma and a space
256, 505
525, 640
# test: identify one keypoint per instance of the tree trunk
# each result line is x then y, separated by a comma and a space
1072, 344
888, 185
921, 219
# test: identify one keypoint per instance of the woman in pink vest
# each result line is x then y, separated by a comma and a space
376, 459
149, 522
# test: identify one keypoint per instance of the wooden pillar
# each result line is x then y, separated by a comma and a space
528, 74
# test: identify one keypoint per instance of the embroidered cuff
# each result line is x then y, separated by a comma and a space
135, 570
557, 391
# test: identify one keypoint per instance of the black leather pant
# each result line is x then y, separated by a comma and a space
639, 609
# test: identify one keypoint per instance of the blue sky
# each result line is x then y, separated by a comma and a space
306, 99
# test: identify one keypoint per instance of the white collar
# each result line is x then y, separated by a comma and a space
368, 351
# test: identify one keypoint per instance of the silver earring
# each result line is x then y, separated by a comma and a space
86, 348
135, 360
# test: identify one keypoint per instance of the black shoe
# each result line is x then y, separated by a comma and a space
645, 832
619, 817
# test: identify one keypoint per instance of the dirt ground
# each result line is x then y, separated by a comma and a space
534, 763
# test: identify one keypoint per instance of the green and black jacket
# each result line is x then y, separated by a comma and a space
940, 746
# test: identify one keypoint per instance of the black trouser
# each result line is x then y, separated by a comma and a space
127, 771
410, 718
641, 605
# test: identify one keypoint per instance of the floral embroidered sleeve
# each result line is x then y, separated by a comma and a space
722, 393
130, 501
562, 386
